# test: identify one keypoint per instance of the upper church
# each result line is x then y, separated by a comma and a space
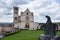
25, 20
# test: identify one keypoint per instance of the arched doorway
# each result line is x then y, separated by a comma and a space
27, 25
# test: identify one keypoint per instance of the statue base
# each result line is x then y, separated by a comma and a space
47, 37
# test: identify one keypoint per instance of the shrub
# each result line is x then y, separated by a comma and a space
8, 34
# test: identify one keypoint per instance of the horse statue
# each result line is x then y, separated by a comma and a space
49, 27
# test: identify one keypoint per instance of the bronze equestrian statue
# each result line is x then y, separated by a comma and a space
49, 27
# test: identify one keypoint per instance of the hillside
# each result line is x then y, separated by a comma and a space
26, 35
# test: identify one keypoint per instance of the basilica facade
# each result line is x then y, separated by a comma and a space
25, 20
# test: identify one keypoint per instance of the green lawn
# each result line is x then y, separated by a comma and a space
26, 35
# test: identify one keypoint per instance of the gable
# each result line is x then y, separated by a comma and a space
27, 12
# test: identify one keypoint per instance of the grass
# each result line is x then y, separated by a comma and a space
26, 35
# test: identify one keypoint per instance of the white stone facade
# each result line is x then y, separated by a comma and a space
26, 20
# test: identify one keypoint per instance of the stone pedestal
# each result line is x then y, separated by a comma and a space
47, 37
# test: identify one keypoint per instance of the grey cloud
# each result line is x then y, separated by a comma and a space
57, 18
32, 0
42, 14
1, 15
7, 7
45, 4
8, 13
20, 2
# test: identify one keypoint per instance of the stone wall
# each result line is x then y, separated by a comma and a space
58, 27
0, 29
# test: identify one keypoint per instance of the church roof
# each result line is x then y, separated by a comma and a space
27, 10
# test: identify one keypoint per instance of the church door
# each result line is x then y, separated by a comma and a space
26, 25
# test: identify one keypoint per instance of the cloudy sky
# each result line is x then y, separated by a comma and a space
40, 8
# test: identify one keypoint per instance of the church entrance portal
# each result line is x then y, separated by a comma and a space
27, 25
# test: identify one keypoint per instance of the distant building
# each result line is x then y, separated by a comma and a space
6, 27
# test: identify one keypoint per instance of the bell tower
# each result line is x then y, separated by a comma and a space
15, 14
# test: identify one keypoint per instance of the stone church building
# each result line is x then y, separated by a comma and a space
25, 20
